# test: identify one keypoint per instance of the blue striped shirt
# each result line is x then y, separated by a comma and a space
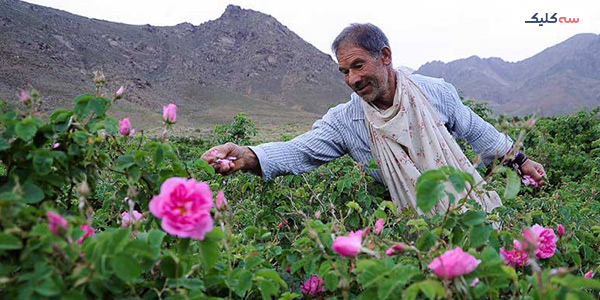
342, 130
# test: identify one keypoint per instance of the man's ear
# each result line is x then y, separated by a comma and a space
386, 55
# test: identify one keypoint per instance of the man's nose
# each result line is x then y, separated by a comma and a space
353, 78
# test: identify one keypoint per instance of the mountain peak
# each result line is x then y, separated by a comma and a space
232, 10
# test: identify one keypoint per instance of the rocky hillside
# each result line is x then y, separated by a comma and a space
561, 79
244, 60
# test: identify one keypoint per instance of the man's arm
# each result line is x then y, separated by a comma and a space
321, 144
464, 123
483, 137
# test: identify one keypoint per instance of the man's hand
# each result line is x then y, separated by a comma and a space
533, 170
243, 159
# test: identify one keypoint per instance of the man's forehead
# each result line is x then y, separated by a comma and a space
350, 52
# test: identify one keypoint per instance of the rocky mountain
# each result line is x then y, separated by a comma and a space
561, 79
248, 61
242, 61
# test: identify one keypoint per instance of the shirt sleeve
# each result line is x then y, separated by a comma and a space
464, 123
323, 143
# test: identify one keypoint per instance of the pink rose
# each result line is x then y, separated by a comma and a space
528, 180
124, 126
288, 269
348, 246
119, 92
543, 239
317, 214
516, 257
474, 282
170, 113
56, 145
128, 218
313, 285
55, 221
378, 226
394, 250
184, 207
221, 200
454, 263
560, 230
87, 232
589, 274
23, 96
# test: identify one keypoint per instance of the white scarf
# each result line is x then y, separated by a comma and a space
408, 139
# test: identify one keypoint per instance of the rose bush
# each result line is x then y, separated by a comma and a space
87, 212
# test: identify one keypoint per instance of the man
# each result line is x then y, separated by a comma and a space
401, 121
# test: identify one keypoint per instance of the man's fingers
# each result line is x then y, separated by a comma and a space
215, 153
219, 158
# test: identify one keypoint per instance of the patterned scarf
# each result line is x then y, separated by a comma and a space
408, 139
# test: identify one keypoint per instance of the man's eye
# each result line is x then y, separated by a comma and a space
359, 66
344, 72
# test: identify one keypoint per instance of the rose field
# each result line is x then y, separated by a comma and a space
90, 208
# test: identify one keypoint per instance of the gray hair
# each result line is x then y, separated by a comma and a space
366, 36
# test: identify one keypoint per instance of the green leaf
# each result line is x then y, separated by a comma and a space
8, 197
426, 241
61, 115
472, 218
297, 265
155, 238
139, 248
457, 181
387, 287
430, 189
331, 280
4, 144
273, 275
26, 129
203, 165
79, 137
32, 193
73, 295
210, 248
98, 104
82, 107
243, 284
9, 242
431, 289
48, 288
510, 272
253, 262
42, 161
370, 272
576, 282
512, 185
354, 206
159, 154
193, 284
111, 125
411, 292
171, 267
480, 235
125, 161
268, 289
126, 267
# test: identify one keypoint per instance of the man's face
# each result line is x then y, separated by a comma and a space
363, 73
